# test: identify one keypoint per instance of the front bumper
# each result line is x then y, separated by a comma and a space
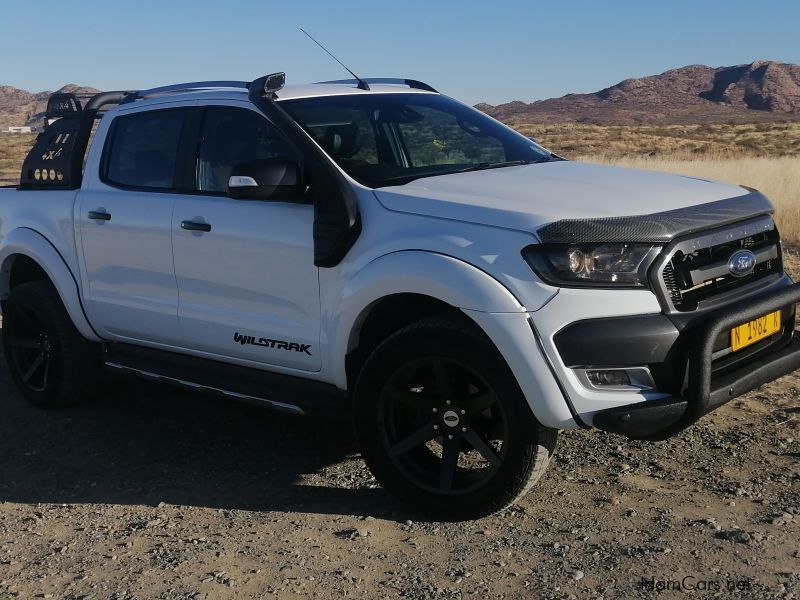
706, 385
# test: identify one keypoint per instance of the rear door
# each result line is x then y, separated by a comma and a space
125, 221
245, 270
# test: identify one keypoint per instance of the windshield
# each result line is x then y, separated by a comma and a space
391, 139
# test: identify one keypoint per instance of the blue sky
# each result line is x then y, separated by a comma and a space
492, 51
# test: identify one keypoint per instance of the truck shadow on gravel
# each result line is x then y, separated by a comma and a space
142, 443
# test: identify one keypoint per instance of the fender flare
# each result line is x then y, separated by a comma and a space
438, 276
33, 245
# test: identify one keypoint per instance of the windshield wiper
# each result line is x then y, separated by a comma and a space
499, 165
494, 165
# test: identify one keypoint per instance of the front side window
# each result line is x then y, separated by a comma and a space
231, 136
395, 138
143, 149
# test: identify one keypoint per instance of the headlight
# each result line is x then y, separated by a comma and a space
592, 265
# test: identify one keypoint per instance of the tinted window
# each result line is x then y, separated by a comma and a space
231, 136
439, 139
391, 139
144, 149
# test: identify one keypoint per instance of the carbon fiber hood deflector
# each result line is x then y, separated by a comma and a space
660, 227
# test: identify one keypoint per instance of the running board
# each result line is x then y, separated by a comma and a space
284, 393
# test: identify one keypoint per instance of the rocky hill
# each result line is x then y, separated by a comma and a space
760, 91
18, 107
697, 94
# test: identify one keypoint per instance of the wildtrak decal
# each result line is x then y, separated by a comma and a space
251, 340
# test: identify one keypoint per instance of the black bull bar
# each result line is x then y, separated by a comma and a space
661, 419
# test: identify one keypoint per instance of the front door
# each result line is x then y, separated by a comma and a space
248, 288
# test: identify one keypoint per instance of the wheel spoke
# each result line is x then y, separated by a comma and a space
35, 366
479, 403
443, 380
46, 373
483, 448
412, 399
450, 452
423, 435
29, 344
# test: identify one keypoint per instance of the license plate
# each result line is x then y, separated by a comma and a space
756, 330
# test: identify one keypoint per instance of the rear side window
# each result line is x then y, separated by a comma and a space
144, 149
231, 136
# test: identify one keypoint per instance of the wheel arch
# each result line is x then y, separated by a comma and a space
26, 255
399, 288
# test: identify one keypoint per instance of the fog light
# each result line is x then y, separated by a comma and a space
617, 377
620, 379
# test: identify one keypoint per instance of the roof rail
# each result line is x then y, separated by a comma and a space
412, 83
185, 87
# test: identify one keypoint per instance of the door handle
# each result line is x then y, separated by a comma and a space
195, 226
97, 215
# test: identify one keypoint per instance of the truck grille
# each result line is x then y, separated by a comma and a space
695, 270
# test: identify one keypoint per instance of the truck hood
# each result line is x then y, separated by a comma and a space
530, 196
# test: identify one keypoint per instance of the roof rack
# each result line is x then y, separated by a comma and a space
176, 88
412, 83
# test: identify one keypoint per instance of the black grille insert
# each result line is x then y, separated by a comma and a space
680, 273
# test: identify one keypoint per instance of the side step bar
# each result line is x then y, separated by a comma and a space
284, 393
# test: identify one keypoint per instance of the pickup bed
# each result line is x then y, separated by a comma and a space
374, 248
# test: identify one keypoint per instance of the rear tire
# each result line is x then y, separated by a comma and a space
50, 362
444, 426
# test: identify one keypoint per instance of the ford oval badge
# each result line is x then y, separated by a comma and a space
741, 263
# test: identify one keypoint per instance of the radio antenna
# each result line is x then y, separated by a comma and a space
362, 85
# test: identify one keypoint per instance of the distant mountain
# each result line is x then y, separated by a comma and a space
18, 107
759, 91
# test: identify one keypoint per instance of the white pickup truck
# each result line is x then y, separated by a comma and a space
374, 246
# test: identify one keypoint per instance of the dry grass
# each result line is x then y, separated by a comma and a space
13, 149
691, 141
778, 178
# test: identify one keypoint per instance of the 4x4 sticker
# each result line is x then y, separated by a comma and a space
244, 340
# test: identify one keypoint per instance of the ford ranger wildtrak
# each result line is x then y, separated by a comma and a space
374, 247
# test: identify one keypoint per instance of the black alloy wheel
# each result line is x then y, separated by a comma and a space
50, 362
31, 350
442, 423
444, 426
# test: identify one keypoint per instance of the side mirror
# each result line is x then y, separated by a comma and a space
271, 179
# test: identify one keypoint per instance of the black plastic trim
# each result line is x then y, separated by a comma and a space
617, 341
313, 397
658, 420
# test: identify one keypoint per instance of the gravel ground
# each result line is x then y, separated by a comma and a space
151, 492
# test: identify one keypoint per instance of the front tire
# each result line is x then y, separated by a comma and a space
443, 425
49, 361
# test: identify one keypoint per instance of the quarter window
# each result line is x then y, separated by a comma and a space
144, 149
